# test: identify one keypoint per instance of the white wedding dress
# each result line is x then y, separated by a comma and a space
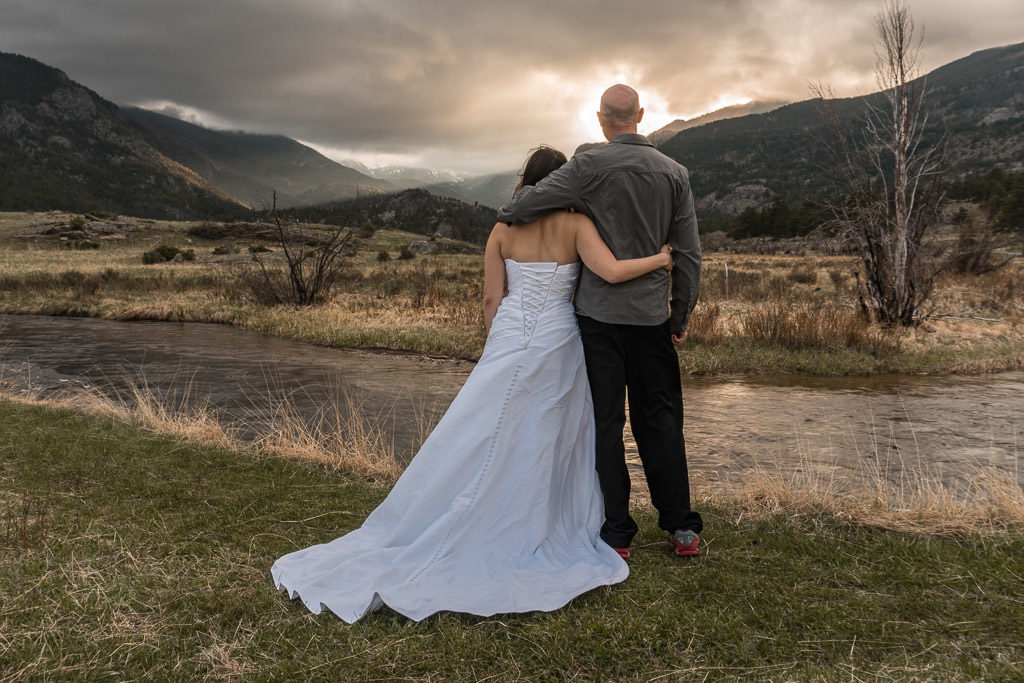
500, 509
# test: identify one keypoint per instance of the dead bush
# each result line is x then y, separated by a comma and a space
314, 256
26, 523
978, 249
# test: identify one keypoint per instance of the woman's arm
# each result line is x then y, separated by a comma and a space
494, 274
599, 258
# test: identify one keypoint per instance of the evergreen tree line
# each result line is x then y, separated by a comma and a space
779, 219
999, 193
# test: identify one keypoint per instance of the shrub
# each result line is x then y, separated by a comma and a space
225, 249
258, 249
77, 222
421, 282
209, 231
82, 244
839, 279
385, 282
406, 253
367, 230
803, 274
383, 255
166, 252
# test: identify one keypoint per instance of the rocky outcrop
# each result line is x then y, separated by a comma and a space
736, 200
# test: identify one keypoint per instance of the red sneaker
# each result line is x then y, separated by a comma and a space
685, 542
623, 552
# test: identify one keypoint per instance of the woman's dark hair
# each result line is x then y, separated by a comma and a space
542, 161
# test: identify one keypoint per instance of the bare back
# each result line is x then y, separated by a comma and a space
550, 239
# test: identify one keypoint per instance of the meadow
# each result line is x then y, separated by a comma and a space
132, 554
758, 314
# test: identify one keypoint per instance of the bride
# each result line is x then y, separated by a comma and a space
500, 509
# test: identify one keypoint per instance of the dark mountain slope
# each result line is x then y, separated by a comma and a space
62, 146
250, 167
978, 101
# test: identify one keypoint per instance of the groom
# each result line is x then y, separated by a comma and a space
639, 199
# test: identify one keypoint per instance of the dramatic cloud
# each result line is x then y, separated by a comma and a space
468, 84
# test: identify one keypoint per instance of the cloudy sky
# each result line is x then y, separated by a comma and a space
469, 85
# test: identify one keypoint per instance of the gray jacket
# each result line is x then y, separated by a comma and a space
639, 199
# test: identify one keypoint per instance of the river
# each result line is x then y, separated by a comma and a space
946, 427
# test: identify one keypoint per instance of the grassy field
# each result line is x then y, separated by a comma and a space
132, 555
784, 313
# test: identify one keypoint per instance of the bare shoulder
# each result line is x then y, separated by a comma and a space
500, 230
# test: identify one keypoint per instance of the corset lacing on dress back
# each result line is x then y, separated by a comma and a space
536, 291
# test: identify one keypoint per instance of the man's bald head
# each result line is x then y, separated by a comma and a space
620, 110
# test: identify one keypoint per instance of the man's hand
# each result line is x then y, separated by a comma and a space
678, 337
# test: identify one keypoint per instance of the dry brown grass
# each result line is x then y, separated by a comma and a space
706, 324
340, 438
912, 499
821, 326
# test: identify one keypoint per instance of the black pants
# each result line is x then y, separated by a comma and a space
643, 359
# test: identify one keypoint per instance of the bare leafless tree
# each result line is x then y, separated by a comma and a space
886, 178
313, 256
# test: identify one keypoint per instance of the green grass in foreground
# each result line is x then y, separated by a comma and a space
155, 559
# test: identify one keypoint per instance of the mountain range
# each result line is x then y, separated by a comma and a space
62, 146
403, 177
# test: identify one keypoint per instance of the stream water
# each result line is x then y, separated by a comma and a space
947, 427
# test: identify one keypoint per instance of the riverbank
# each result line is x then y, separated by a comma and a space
759, 314
139, 556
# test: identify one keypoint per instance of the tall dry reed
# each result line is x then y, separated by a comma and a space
816, 326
